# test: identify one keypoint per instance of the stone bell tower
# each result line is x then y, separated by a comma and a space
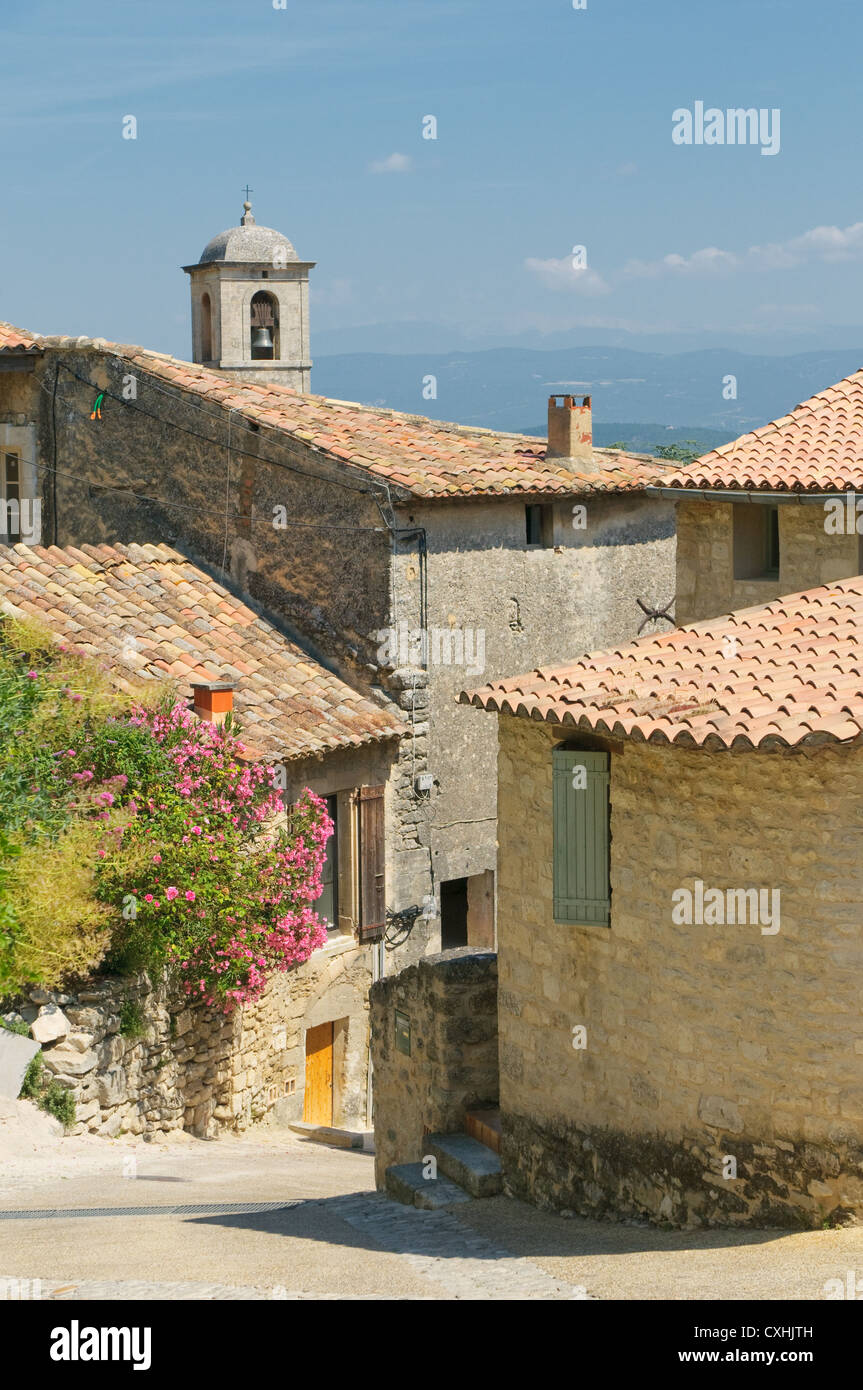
250, 306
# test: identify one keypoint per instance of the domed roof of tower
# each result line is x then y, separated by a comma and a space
248, 243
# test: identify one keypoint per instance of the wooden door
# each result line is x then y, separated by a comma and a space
318, 1100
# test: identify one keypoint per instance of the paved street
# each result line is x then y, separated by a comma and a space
274, 1217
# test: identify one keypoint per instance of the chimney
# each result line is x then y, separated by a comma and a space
570, 428
213, 700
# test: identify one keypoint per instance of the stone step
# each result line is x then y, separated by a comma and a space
405, 1183
484, 1127
470, 1164
327, 1134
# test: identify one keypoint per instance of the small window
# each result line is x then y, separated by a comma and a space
581, 885
756, 541
10, 496
539, 524
328, 903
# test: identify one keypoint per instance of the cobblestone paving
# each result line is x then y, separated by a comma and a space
440, 1248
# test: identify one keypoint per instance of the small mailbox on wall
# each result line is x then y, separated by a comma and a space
403, 1033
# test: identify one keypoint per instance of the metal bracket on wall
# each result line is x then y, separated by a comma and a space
656, 613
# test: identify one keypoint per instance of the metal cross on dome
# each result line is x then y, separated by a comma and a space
247, 190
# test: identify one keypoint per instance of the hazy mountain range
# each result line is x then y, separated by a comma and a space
660, 397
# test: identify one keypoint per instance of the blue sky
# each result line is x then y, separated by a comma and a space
554, 130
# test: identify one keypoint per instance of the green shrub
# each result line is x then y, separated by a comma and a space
59, 1102
50, 1096
34, 1081
59, 926
22, 1029
132, 1022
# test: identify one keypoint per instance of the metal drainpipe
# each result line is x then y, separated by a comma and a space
378, 972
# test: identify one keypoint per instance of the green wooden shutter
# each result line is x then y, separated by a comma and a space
581, 835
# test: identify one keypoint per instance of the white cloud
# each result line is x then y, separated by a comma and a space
705, 262
563, 275
826, 244
393, 164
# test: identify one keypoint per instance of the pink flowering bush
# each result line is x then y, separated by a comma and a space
205, 881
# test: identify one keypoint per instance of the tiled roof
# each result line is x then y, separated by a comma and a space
14, 339
781, 675
420, 457
153, 614
818, 447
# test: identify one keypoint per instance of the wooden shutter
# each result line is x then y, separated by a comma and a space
581, 838
372, 863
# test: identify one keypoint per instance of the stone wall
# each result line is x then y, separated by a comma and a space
703, 1042
347, 567
450, 1002
533, 606
141, 1060
808, 556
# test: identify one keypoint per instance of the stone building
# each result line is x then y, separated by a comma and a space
411, 556
768, 513
680, 920
147, 612
257, 331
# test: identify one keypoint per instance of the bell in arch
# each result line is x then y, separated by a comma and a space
262, 340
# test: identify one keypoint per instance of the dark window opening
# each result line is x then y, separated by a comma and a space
453, 914
206, 328
10, 529
756, 541
539, 524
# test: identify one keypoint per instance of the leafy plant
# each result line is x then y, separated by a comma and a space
22, 1029
33, 1083
132, 1022
685, 452
50, 1096
135, 836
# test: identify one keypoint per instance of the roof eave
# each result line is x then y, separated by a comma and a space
710, 494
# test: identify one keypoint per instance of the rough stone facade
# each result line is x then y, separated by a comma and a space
703, 1042
450, 1004
349, 565
808, 556
141, 1060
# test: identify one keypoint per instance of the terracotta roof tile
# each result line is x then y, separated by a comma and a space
818, 447
789, 672
289, 705
426, 458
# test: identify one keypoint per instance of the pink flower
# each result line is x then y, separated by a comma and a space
157, 858
190, 897
148, 897
171, 894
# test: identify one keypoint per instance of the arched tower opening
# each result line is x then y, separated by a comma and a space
206, 328
264, 327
